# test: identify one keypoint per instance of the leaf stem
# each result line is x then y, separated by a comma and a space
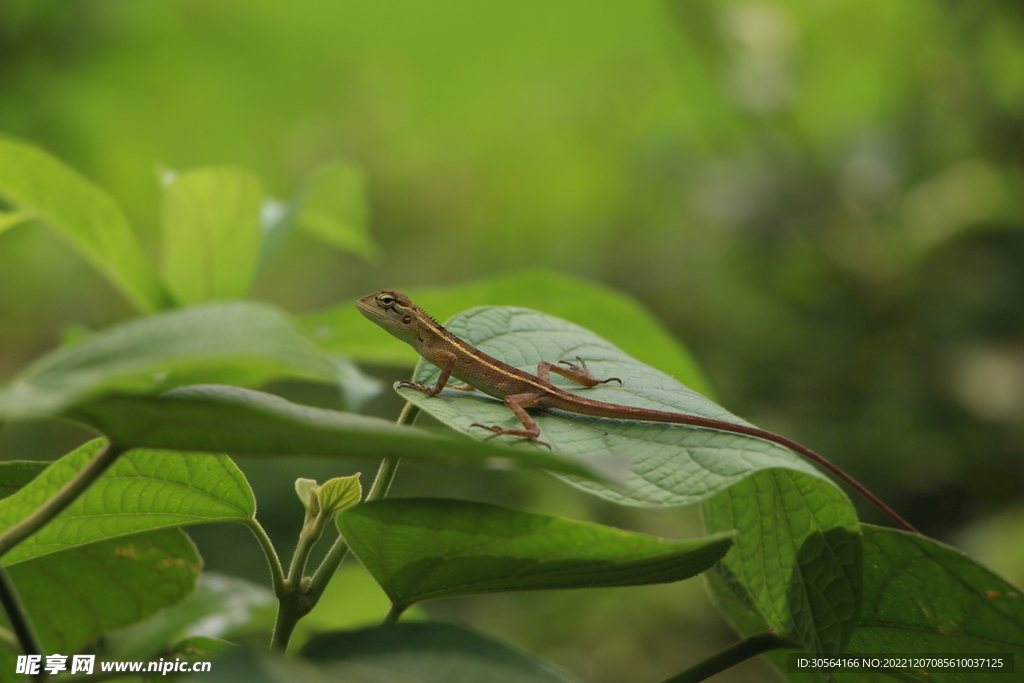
296, 602
17, 617
731, 656
392, 616
276, 570
59, 501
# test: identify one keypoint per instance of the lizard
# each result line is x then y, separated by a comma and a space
520, 390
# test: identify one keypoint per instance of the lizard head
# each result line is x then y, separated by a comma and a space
394, 312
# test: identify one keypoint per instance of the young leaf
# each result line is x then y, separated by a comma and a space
35, 183
303, 487
237, 342
609, 313
672, 464
217, 419
425, 652
340, 493
333, 209
426, 548
143, 490
211, 233
79, 594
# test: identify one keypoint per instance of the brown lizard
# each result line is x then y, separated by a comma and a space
520, 390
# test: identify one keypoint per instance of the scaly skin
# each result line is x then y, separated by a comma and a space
520, 390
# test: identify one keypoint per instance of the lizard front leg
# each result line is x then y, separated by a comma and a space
442, 359
580, 374
518, 403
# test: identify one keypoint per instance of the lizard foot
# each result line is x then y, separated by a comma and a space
501, 431
406, 384
584, 371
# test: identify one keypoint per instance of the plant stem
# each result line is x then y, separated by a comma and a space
733, 655
296, 603
17, 617
60, 500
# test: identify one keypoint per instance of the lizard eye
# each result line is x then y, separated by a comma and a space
386, 300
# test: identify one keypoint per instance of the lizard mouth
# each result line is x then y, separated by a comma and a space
368, 307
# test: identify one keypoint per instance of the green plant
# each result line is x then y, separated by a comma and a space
172, 396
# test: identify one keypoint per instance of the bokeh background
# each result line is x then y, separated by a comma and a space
822, 200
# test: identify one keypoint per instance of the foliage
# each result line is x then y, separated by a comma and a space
171, 395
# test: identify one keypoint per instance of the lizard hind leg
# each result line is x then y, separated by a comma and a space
518, 403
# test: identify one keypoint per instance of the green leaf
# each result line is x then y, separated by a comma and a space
797, 561
211, 233
607, 312
672, 464
35, 183
143, 490
424, 652
920, 597
340, 493
426, 548
220, 606
228, 419
237, 342
333, 209
77, 595
15, 474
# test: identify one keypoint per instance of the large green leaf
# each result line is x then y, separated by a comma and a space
424, 652
237, 343
332, 207
672, 464
233, 420
211, 233
143, 490
797, 558
606, 311
425, 548
38, 185
920, 597
221, 606
74, 596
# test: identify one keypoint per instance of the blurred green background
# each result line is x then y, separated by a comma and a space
822, 200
